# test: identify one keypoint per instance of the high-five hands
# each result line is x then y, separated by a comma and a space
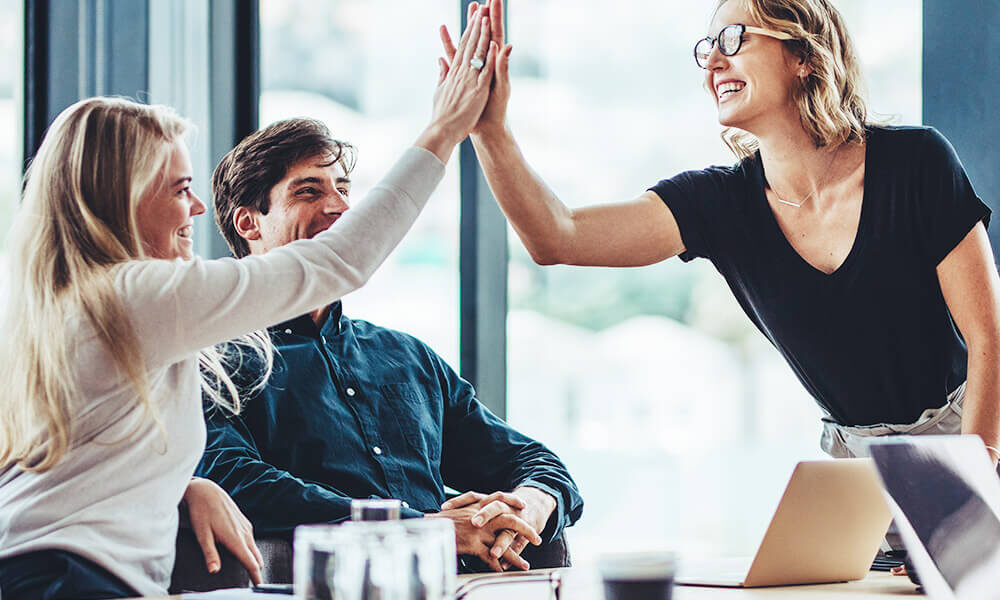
495, 113
463, 89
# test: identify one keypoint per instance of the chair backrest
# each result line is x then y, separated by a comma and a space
190, 574
553, 555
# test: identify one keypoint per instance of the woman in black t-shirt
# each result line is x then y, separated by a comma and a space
859, 251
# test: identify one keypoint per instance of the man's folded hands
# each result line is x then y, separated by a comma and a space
497, 527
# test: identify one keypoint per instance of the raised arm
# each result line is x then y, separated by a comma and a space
180, 307
637, 232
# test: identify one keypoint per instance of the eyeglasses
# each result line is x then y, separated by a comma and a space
730, 39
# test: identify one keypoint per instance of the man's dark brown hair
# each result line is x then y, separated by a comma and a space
246, 175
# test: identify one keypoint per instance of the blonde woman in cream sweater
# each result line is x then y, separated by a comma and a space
111, 314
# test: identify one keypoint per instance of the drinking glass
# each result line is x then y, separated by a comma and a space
413, 559
375, 509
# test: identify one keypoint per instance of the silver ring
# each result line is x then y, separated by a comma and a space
476, 63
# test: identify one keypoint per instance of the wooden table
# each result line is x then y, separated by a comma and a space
584, 584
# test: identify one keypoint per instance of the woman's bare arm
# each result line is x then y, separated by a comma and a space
971, 289
637, 232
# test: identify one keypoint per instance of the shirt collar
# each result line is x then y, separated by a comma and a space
304, 325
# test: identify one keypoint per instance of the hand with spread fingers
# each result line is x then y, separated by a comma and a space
463, 89
215, 517
495, 113
495, 511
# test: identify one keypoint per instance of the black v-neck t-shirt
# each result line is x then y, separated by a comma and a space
873, 342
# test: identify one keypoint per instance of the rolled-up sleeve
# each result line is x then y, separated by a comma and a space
948, 205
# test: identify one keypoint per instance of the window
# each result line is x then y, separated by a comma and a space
678, 419
11, 82
367, 68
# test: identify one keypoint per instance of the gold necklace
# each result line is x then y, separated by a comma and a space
818, 186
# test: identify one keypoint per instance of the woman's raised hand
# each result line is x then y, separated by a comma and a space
495, 113
463, 89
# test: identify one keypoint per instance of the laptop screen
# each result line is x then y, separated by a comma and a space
947, 491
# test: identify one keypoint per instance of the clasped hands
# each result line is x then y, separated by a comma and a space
497, 527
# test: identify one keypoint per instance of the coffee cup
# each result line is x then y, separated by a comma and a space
638, 575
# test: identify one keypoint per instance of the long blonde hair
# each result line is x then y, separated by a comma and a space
77, 219
831, 98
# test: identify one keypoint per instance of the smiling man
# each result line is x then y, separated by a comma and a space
353, 410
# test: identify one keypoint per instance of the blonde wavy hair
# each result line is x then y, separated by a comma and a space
76, 221
831, 98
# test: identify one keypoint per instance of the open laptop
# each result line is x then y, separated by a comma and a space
946, 502
827, 528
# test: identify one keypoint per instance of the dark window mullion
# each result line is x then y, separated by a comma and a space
235, 85
960, 90
483, 281
74, 50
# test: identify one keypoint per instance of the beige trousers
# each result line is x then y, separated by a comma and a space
841, 441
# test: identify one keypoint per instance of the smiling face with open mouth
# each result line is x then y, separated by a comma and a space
165, 215
755, 84
311, 196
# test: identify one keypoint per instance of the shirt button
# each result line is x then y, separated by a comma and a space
350, 391
288, 331
377, 451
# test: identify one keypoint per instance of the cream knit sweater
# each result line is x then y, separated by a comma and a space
113, 498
